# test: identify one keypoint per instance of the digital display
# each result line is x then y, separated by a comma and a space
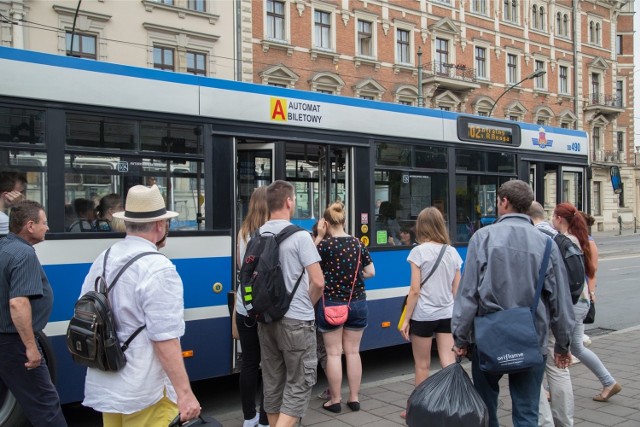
478, 130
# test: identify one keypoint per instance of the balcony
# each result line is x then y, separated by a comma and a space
608, 156
606, 104
449, 76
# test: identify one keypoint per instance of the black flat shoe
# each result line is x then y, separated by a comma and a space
354, 406
336, 408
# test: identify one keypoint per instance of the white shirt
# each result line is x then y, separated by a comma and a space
149, 292
297, 252
436, 296
242, 248
4, 223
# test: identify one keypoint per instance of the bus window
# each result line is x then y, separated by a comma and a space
477, 181
405, 184
22, 126
31, 166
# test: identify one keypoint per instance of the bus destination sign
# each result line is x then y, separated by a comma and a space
488, 131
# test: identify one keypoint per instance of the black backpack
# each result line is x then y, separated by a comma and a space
573, 261
263, 288
91, 336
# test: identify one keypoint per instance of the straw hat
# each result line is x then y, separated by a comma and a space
145, 204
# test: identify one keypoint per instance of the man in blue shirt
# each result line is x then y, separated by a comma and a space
26, 300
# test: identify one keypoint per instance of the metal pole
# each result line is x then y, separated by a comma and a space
420, 103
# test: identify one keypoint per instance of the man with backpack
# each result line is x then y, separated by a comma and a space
153, 386
288, 345
559, 411
26, 300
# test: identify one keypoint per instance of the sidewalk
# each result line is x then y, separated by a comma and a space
382, 402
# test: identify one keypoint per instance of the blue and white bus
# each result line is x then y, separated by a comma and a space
82, 129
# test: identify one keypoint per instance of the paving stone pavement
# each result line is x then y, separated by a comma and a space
383, 401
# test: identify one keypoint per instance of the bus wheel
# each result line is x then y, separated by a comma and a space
11, 414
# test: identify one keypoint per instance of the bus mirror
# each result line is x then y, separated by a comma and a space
616, 181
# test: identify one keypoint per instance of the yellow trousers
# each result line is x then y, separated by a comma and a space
157, 415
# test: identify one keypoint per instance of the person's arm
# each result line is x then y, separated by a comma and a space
455, 283
169, 353
412, 299
322, 231
316, 282
20, 309
368, 271
591, 281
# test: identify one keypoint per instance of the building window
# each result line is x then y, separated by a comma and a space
84, 46
365, 38
510, 12
514, 118
619, 100
197, 5
442, 55
596, 139
565, 25
403, 46
594, 32
197, 63
619, 44
512, 68
322, 26
539, 82
481, 62
621, 196
597, 198
479, 6
167, 2
275, 20
163, 58
564, 79
620, 141
534, 16
597, 40
541, 19
595, 88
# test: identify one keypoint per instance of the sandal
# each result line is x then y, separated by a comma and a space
604, 397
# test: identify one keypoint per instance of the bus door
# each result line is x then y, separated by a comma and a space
319, 173
553, 183
254, 168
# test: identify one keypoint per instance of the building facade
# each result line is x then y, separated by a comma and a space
565, 64
194, 36
555, 63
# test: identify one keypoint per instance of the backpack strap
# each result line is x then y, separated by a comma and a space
435, 265
541, 274
280, 237
115, 280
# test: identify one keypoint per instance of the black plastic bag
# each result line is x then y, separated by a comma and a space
447, 399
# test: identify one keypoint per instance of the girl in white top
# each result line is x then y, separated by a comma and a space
429, 308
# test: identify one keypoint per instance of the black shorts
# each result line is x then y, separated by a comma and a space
426, 329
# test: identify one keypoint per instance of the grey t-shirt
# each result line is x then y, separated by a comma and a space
296, 253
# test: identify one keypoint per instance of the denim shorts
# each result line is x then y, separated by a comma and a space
356, 320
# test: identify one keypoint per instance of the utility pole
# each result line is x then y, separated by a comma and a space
420, 103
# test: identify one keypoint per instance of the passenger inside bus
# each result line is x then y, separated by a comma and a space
85, 216
109, 204
387, 221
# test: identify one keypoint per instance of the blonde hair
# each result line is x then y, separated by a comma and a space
257, 214
335, 214
430, 226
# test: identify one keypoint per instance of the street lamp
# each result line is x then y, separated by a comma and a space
419, 77
533, 75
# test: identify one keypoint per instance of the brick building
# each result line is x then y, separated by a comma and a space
471, 53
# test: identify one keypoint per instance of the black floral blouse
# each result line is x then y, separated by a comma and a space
339, 257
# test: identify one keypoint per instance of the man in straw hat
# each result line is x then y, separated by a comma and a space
153, 386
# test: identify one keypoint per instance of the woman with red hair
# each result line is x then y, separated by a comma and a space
567, 220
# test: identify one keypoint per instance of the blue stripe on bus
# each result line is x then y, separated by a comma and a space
198, 276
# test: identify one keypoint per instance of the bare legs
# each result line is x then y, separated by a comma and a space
422, 354
336, 342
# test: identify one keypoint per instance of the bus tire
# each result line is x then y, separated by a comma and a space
11, 414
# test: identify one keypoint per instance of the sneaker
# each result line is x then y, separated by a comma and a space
253, 422
586, 340
326, 394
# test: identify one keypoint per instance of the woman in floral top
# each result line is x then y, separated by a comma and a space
345, 263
